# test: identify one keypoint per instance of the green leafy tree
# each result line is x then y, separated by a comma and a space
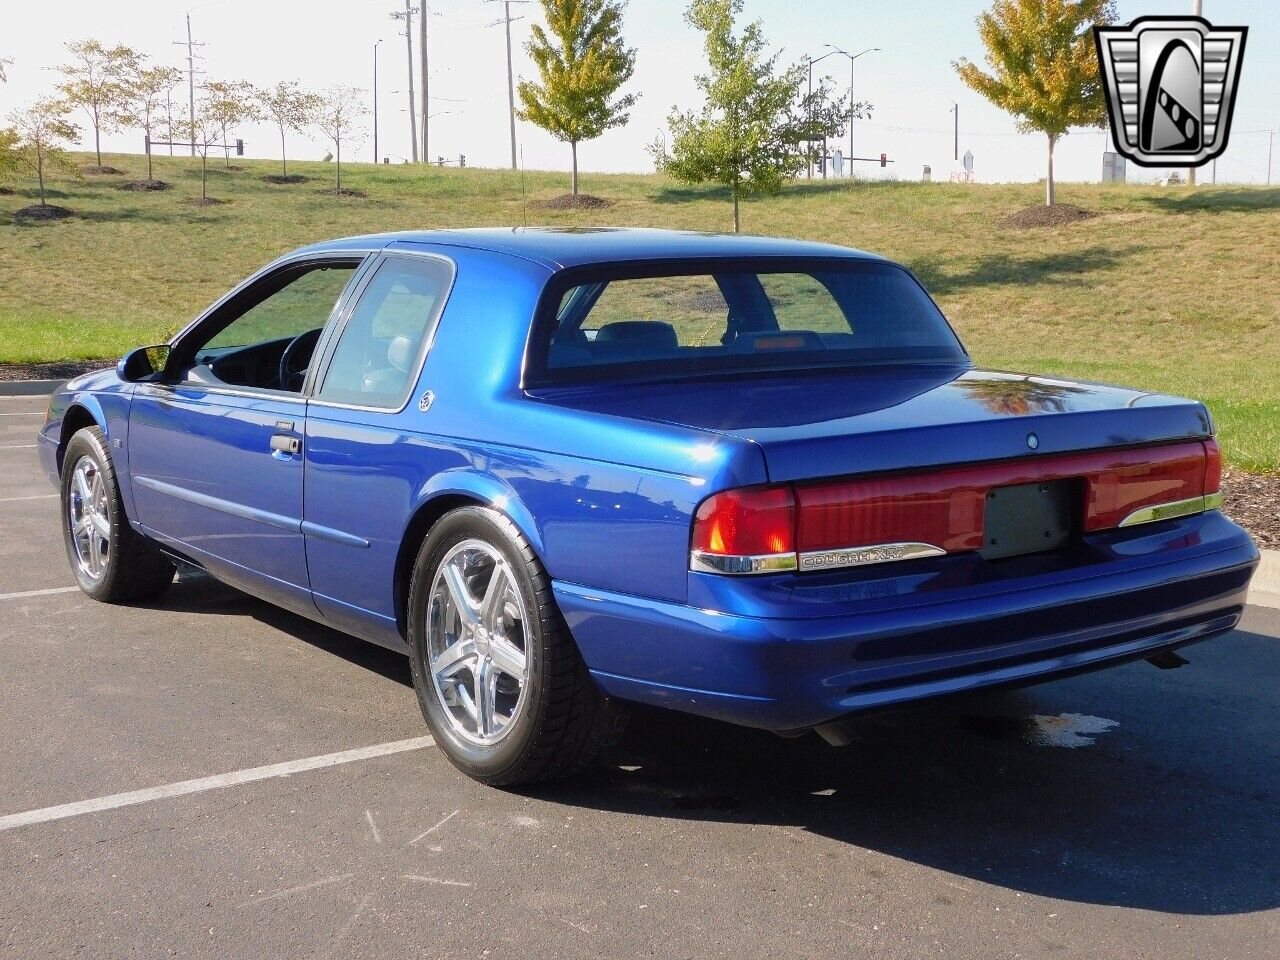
39, 138
205, 130
340, 110
148, 88
229, 104
1043, 66
291, 109
755, 129
582, 63
96, 80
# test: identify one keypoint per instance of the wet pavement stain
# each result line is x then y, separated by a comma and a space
1069, 731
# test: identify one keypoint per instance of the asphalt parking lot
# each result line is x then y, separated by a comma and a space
1132, 813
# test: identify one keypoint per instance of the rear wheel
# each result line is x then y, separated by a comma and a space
110, 561
499, 678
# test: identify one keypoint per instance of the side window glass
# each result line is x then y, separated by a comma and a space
250, 350
380, 346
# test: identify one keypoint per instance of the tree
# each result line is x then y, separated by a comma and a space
96, 81
1044, 68
5, 64
206, 128
755, 129
291, 109
39, 136
229, 104
148, 89
582, 64
339, 110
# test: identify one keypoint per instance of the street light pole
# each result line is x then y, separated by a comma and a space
375, 100
852, 57
812, 61
955, 108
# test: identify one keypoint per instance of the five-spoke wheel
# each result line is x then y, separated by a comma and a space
89, 518
478, 653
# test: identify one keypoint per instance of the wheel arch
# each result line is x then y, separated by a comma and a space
83, 412
446, 492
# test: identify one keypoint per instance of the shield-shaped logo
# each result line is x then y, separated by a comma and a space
1171, 87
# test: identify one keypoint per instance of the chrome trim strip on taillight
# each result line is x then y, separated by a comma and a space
861, 556
703, 562
1169, 511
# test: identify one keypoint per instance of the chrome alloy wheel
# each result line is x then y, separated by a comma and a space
477, 651
89, 518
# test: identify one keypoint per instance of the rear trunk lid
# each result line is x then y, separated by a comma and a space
879, 419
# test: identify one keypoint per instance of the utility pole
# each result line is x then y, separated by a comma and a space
1271, 139
407, 17
375, 100
507, 20
955, 108
426, 98
1191, 171
191, 83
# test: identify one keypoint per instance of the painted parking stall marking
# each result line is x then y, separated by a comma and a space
202, 784
50, 591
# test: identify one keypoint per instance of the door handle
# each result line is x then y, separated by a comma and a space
285, 444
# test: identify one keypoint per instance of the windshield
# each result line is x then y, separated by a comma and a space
843, 313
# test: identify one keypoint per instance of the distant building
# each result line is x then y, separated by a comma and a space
1113, 168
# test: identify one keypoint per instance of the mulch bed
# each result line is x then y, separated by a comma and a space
283, 179
63, 370
145, 186
344, 192
104, 169
7, 191
1253, 501
42, 212
568, 201
1040, 215
203, 201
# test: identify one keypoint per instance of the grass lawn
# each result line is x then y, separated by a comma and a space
1171, 289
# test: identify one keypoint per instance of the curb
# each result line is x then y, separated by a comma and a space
1264, 591
29, 388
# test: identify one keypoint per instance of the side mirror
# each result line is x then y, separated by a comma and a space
144, 362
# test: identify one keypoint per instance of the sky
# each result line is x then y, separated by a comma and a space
909, 81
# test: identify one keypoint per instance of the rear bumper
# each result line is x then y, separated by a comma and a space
1158, 590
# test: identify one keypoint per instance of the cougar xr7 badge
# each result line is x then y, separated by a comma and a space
1171, 87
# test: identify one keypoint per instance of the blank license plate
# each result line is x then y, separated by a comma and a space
1028, 518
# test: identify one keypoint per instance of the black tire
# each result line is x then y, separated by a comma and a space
566, 722
134, 569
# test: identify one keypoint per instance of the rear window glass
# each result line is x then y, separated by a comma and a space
834, 314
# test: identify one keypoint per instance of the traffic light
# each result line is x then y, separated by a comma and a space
884, 159
239, 148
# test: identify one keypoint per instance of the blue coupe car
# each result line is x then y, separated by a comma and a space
754, 479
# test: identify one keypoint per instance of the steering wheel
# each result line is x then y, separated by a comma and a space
292, 377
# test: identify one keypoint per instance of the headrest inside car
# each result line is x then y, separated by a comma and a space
400, 353
654, 333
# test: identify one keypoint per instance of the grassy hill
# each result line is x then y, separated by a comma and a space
1169, 289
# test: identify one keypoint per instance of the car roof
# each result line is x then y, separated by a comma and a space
561, 247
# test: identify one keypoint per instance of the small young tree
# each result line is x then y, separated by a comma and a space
1044, 68
338, 113
96, 81
5, 63
582, 63
39, 137
291, 109
755, 130
148, 89
229, 104
205, 132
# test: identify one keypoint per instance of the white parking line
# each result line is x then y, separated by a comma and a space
19, 446
36, 496
33, 413
185, 787
37, 593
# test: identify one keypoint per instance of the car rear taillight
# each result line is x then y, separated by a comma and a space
846, 523
746, 531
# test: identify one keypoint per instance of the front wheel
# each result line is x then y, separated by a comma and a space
110, 561
499, 678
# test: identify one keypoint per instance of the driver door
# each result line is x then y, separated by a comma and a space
216, 448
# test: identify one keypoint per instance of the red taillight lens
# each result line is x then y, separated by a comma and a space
1132, 480
1212, 467
941, 509
746, 523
